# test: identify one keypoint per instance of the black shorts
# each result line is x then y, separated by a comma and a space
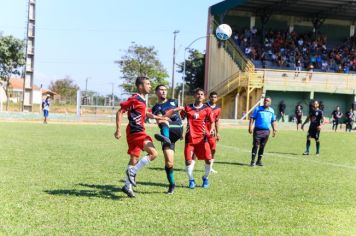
260, 137
175, 134
348, 122
336, 122
313, 133
299, 119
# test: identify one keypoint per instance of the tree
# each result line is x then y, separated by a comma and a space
195, 69
12, 58
141, 61
65, 87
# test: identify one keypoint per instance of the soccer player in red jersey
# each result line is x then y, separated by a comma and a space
196, 138
137, 139
214, 137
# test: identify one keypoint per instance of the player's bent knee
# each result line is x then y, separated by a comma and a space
187, 163
169, 165
151, 150
153, 154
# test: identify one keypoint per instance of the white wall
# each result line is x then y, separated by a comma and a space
37, 97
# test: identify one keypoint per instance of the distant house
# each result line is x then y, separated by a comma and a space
16, 92
52, 94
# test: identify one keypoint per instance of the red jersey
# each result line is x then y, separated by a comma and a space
136, 108
197, 118
216, 114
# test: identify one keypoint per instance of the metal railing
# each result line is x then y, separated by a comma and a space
239, 79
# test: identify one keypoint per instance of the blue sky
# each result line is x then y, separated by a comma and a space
83, 38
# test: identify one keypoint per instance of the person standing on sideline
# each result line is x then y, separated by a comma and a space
316, 119
349, 119
282, 109
298, 115
215, 137
136, 136
171, 131
336, 114
45, 108
262, 118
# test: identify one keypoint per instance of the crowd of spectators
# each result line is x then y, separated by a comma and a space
298, 51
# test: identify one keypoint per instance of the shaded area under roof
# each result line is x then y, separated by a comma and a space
328, 9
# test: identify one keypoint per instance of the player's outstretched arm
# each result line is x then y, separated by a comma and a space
157, 118
171, 112
119, 115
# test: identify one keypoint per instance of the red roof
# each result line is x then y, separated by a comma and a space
17, 83
47, 91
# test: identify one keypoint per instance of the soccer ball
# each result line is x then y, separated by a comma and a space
223, 32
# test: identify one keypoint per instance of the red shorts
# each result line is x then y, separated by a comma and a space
201, 150
136, 143
212, 143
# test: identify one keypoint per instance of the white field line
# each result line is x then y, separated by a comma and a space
308, 159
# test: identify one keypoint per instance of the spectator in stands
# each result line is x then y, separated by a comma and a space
324, 66
353, 63
283, 48
248, 52
298, 66
310, 72
237, 39
346, 68
263, 59
300, 42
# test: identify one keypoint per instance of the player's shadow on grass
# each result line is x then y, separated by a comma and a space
285, 153
231, 163
100, 191
149, 184
112, 188
162, 169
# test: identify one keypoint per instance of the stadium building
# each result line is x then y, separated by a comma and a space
293, 51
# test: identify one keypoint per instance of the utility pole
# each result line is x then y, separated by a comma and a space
112, 95
30, 57
174, 60
86, 85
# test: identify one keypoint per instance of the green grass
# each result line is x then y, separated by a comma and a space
66, 179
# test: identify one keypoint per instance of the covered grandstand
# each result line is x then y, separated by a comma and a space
293, 51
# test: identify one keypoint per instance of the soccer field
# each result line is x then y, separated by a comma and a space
66, 179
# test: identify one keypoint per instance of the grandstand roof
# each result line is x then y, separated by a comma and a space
330, 9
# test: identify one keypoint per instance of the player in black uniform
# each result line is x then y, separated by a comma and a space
298, 115
316, 119
171, 131
349, 119
336, 114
